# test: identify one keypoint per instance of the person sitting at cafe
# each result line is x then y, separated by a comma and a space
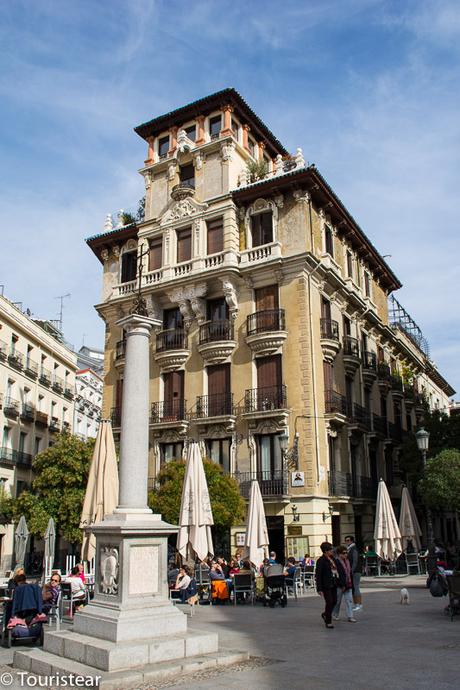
290, 567
216, 572
78, 588
13, 582
224, 567
51, 592
234, 567
183, 582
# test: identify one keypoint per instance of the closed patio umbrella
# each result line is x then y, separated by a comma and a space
408, 523
256, 543
195, 518
21, 537
50, 545
101, 497
386, 532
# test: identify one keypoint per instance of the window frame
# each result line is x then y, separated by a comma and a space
165, 140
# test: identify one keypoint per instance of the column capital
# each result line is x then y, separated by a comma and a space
131, 322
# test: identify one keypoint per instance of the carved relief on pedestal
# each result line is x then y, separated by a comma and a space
108, 564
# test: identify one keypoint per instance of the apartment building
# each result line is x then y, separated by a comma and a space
37, 387
88, 404
276, 350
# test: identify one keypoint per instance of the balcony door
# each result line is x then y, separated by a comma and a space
269, 461
218, 326
219, 395
267, 308
172, 318
269, 382
173, 395
325, 309
217, 309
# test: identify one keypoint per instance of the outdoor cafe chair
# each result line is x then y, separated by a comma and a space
294, 583
372, 566
243, 583
412, 564
308, 576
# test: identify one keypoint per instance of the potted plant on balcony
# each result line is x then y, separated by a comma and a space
256, 170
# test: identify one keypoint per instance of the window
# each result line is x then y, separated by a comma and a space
367, 284
171, 451
6, 437
26, 395
218, 450
29, 352
14, 342
191, 132
21, 486
346, 326
163, 146
128, 266
252, 147
269, 462
156, 254
262, 228
234, 126
187, 175
37, 445
349, 264
328, 241
41, 398
215, 235
22, 441
215, 125
184, 245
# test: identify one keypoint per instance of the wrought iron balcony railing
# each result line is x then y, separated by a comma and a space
379, 424
54, 424
335, 403
369, 360
213, 331
271, 482
120, 350
266, 320
168, 411
3, 350
339, 483
28, 412
31, 368
363, 487
45, 377
16, 359
24, 458
397, 383
215, 405
115, 416
357, 414
11, 407
350, 346
383, 371
69, 392
58, 384
265, 399
171, 339
395, 432
329, 329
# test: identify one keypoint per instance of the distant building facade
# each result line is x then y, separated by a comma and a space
91, 358
88, 403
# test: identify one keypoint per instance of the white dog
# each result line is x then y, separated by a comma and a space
404, 596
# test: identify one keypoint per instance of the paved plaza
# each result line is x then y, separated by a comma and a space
413, 647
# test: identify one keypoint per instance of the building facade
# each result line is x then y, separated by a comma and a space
277, 350
91, 358
37, 388
88, 404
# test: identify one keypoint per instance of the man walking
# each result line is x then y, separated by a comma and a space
356, 563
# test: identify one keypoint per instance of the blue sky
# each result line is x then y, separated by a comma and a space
369, 89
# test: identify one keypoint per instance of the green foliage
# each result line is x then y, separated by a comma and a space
6, 506
127, 218
228, 507
58, 490
440, 486
256, 170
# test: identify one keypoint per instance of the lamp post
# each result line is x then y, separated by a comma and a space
423, 437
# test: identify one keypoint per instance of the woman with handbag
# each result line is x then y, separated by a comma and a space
328, 578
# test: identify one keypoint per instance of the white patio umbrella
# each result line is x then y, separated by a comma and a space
386, 532
408, 522
195, 517
256, 542
21, 537
50, 545
101, 497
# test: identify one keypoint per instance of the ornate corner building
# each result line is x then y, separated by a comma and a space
278, 350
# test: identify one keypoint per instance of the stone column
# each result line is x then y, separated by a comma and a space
173, 140
227, 128
246, 130
150, 152
200, 139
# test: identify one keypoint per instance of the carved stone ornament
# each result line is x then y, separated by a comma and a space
116, 250
104, 254
108, 563
227, 150
231, 297
108, 225
171, 171
184, 144
199, 160
279, 200
279, 165
147, 179
301, 196
183, 208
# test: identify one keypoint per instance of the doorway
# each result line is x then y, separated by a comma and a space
275, 526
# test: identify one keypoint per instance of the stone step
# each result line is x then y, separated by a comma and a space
111, 656
42, 663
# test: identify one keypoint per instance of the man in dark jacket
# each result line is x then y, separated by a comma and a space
356, 563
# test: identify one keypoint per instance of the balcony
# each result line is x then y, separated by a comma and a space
28, 412
397, 388
215, 408
272, 483
3, 351
31, 368
351, 359
369, 368
16, 360
269, 401
8, 455
115, 416
258, 255
171, 349
216, 341
409, 396
69, 392
41, 419
45, 377
11, 408
384, 377
339, 483
170, 414
364, 487
66, 427
266, 331
58, 384
379, 425
330, 343
184, 190
335, 405
54, 424
24, 459
395, 432
358, 417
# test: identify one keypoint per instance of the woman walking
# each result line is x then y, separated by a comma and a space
328, 578
345, 591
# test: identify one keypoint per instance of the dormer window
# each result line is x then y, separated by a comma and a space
128, 267
215, 125
163, 146
328, 241
262, 228
191, 132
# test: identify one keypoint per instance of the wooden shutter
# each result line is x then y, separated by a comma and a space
156, 254
328, 376
215, 241
266, 298
174, 395
184, 245
325, 309
269, 372
219, 379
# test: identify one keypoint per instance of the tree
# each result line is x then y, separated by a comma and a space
58, 490
6, 506
440, 486
228, 508
256, 170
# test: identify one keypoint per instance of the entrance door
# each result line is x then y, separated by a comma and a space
219, 395
173, 396
336, 540
275, 526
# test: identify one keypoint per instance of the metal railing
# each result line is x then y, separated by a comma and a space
329, 329
395, 432
15, 457
171, 339
265, 399
115, 416
168, 411
3, 350
397, 383
11, 407
266, 320
339, 483
271, 482
369, 360
212, 331
69, 392
357, 414
31, 368
16, 359
120, 349
379, 424
45, 376
383, 371
363, 487
215, 405
54, 424
28, 412
41, 418
58, 384
335, 402
350, 346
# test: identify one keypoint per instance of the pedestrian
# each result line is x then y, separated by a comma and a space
356, 563
327, 580
345, 591
272, 560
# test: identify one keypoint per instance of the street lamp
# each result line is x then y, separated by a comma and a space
423, 437
291, 456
